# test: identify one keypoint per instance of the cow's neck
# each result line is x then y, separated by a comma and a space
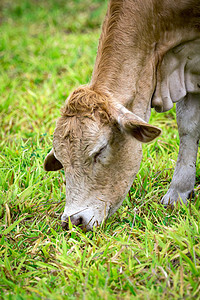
122, 67
131, 46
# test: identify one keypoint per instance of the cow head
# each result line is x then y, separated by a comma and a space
98, 143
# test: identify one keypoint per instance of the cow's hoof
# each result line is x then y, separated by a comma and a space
191, 195
172, 196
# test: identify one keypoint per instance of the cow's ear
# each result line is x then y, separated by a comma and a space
135, 126
51, 163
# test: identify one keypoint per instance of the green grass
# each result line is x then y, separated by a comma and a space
47, 48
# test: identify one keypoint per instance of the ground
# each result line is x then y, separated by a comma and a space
144, 251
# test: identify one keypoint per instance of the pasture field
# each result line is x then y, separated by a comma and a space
144, 251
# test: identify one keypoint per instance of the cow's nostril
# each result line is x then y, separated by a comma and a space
74, 220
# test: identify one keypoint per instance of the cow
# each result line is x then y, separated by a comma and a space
148, 56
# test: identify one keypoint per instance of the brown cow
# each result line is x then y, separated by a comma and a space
148, 55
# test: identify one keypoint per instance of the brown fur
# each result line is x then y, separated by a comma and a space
85, 102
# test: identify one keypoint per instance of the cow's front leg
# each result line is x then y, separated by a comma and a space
188, 120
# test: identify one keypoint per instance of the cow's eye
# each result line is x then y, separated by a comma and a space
99, 153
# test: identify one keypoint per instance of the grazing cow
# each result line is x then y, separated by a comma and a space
148, 56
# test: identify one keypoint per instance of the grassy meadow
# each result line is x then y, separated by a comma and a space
144, 251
